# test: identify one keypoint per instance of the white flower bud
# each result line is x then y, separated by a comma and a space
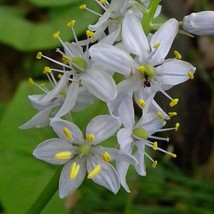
201, 23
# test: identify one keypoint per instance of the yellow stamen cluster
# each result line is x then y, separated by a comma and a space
171, 114
95, 171
82, 7
90, 138
47, 70
142, 103
56, 35
90, 33
74, 170
63, 155
71, 23
39, 55
67, 133
173, 102
177, 125
106, 157
177, 55
191, 75
160, 115
157, 45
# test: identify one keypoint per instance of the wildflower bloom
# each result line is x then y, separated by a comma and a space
81, 155
201, 23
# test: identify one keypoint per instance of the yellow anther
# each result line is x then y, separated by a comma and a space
141, 69
171, 114
46, 70
95, 171
59, 76
173, 102
90, 138
63, 155
67, 133
90, 33
82, 7
30, 80
172, 154
177, 55
191, 75
157, 45
154, 164
160, 115
56, 34
142, 103
39, 55
177, 125
102, 1
155, 145
71, 23
106, 157
67, 59
74, 170
42, 84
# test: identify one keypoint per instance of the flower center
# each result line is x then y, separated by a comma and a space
140, 133
84, 150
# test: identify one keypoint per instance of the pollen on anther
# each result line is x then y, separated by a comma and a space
30, 80
67, 133
155, 145
142, 103
74, 170
95, 171
172, 154
71, 23
191, 75
56, 34
102, 1
90, 33
141, 69
157, 45
177, 55
171, 114
177, 125
106, 157
90, 138
173, 102
63, 155
154, 164
46, 70
82, 7
39, 55
160, 115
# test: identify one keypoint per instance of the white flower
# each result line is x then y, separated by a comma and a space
201, 23
81, 155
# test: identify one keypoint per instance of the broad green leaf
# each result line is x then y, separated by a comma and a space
23, 177
25, 35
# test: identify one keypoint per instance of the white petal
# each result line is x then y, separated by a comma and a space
124, 137
113, 57
126, 112
140, 166
165, 36
100, 83
70, 99
173, 72
66, 185
58, 126
103, 127
107, 177
46, 150
134, 37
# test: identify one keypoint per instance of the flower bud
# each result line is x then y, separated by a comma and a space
201, 23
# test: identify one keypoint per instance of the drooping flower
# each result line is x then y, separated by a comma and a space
81, 154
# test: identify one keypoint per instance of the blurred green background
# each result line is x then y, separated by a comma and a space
182, 185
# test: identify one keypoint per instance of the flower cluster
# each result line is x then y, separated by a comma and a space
123, 62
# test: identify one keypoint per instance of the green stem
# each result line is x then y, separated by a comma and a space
46, 195
146, 22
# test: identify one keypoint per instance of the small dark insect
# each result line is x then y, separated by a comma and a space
146, 81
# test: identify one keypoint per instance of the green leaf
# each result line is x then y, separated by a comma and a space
52, 3
25, 35
23, 177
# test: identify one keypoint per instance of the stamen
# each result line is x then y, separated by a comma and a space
31, 82
59, 76
177, 55
154, 164
160, 115
71, 23
67, 133
39, 55
159, 138
82, 7
155, 145
95, 171
157, 45
90, 138
191, 75
172, 154
106, 157
56, 35
174, 102
90, 33
177, 125
63, 155
142, 103
171, 114
46, 70
74, 170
